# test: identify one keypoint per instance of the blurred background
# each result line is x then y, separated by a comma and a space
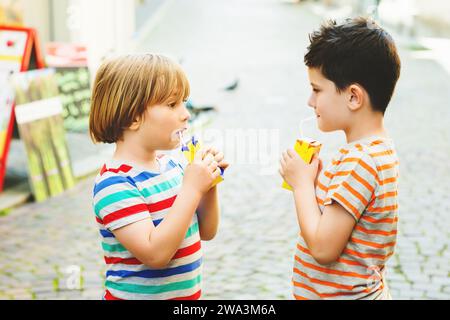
244, 59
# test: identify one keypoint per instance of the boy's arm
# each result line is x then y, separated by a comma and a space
326, 234
156, 246
208, 214
208, 210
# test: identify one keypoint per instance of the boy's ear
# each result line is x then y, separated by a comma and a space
356, 96
135, 124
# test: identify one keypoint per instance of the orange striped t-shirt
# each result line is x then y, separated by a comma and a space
362, 177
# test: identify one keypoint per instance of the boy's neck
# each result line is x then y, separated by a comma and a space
369, 125
135, 154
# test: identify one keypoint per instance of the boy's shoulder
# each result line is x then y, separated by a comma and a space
113, 169
113, 177
172, 160
370, 149
366, 157
349, 156
129, 173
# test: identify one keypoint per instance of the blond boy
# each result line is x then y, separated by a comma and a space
152, 213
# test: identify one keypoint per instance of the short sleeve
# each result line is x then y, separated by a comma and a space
118, 202
173, 160
353, 183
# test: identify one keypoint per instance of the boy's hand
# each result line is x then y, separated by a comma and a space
201, 173
296, 172
218, 156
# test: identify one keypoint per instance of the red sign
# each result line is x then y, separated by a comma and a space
65, 55
19, 51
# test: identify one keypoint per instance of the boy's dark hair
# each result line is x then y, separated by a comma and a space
357, 51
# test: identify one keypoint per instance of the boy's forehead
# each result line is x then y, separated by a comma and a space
315, 73
315, 76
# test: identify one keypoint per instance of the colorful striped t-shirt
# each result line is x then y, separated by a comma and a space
126, 193
363, 179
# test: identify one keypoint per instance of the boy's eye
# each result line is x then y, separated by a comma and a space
316, 90
172, 105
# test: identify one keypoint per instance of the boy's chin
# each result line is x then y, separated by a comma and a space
322, 128
326, 128
172, 145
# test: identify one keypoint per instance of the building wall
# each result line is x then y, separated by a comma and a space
430, 17
58, 16
11, 12
431, 9
435, 15
435, 9
103, 26
36, 14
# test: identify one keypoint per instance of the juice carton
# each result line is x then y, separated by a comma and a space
306, 149
189, 150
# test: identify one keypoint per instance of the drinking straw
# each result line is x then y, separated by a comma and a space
302, 124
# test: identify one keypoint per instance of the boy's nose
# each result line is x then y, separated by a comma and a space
186, 115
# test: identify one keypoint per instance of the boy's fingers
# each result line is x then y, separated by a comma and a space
214, 151
199, 155
213, 165
320, 164
316, 160
207, 149
281, 172
223, 164
317, 157
216, 173
219, 156
283, 162
291, 153
208, 159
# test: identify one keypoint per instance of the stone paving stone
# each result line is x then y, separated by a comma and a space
436, 272
92, 294
402, 286
437, 295
426, 286
445, 281
407, 295
417, 277
20, 294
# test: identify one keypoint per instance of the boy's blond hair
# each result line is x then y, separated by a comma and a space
125, 86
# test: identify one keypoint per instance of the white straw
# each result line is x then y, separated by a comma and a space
302, 123
180, 135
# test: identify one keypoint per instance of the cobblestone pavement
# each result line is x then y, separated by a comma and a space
45, 246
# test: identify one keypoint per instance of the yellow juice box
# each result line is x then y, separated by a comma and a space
306, 149
190, 149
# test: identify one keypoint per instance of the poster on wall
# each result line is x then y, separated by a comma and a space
11, 12
73, 78
19, 51
6, 108
12, 47
41, 128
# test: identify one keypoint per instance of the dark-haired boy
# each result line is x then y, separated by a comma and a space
348, 213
